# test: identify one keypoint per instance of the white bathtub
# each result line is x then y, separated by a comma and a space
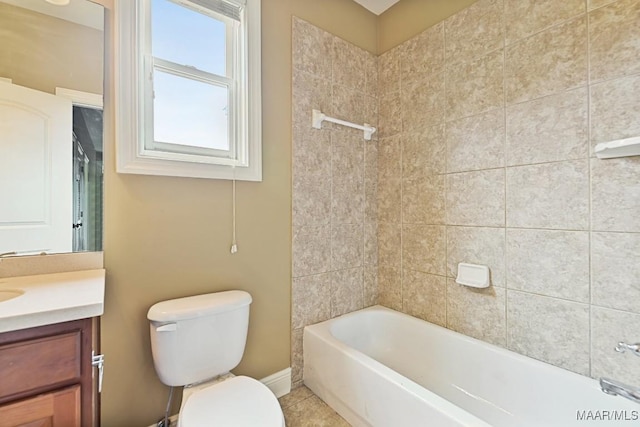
378, 367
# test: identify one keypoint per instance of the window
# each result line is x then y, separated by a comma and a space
194, 71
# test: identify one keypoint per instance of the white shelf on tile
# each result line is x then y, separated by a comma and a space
619, 148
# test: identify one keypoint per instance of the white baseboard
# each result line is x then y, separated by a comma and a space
279, 383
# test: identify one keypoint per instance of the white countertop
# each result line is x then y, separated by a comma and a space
52, 298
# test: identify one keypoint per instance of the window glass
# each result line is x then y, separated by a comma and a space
190, 112
186, 37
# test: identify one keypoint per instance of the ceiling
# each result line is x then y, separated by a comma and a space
377, 6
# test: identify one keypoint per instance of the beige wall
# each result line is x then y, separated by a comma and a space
334, 182
407, 18
493, 132
59, 53
170, 237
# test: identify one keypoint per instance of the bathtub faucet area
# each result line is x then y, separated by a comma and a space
633, 348
616, 388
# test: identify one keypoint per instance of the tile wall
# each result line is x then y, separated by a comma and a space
487, 126
334, 182
487, 123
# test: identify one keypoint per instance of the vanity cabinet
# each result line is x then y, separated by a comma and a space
46, 376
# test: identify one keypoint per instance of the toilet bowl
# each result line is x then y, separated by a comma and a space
195, 342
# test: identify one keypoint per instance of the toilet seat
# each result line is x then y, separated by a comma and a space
235, 402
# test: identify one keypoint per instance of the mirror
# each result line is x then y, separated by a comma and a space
51, 86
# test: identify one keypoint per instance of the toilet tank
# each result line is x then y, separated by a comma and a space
199, 337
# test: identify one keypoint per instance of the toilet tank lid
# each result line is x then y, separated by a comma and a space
198, 306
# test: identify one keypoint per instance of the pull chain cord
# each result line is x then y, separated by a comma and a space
234, 245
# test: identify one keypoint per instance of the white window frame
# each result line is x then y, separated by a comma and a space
133, 123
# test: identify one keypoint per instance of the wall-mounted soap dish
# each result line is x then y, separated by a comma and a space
474, 275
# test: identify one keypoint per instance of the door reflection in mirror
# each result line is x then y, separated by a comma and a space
87, 179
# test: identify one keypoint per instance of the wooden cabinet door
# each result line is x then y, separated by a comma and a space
46, 361
56, 409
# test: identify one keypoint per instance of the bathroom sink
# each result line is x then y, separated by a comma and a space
7, 294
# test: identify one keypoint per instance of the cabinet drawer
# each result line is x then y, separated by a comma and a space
41, 363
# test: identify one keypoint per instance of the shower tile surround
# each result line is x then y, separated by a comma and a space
335, 177
487, 123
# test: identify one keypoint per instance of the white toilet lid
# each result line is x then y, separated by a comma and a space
236, 402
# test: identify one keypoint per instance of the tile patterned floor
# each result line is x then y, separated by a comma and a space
302, 408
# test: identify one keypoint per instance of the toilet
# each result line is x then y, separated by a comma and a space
195, 342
